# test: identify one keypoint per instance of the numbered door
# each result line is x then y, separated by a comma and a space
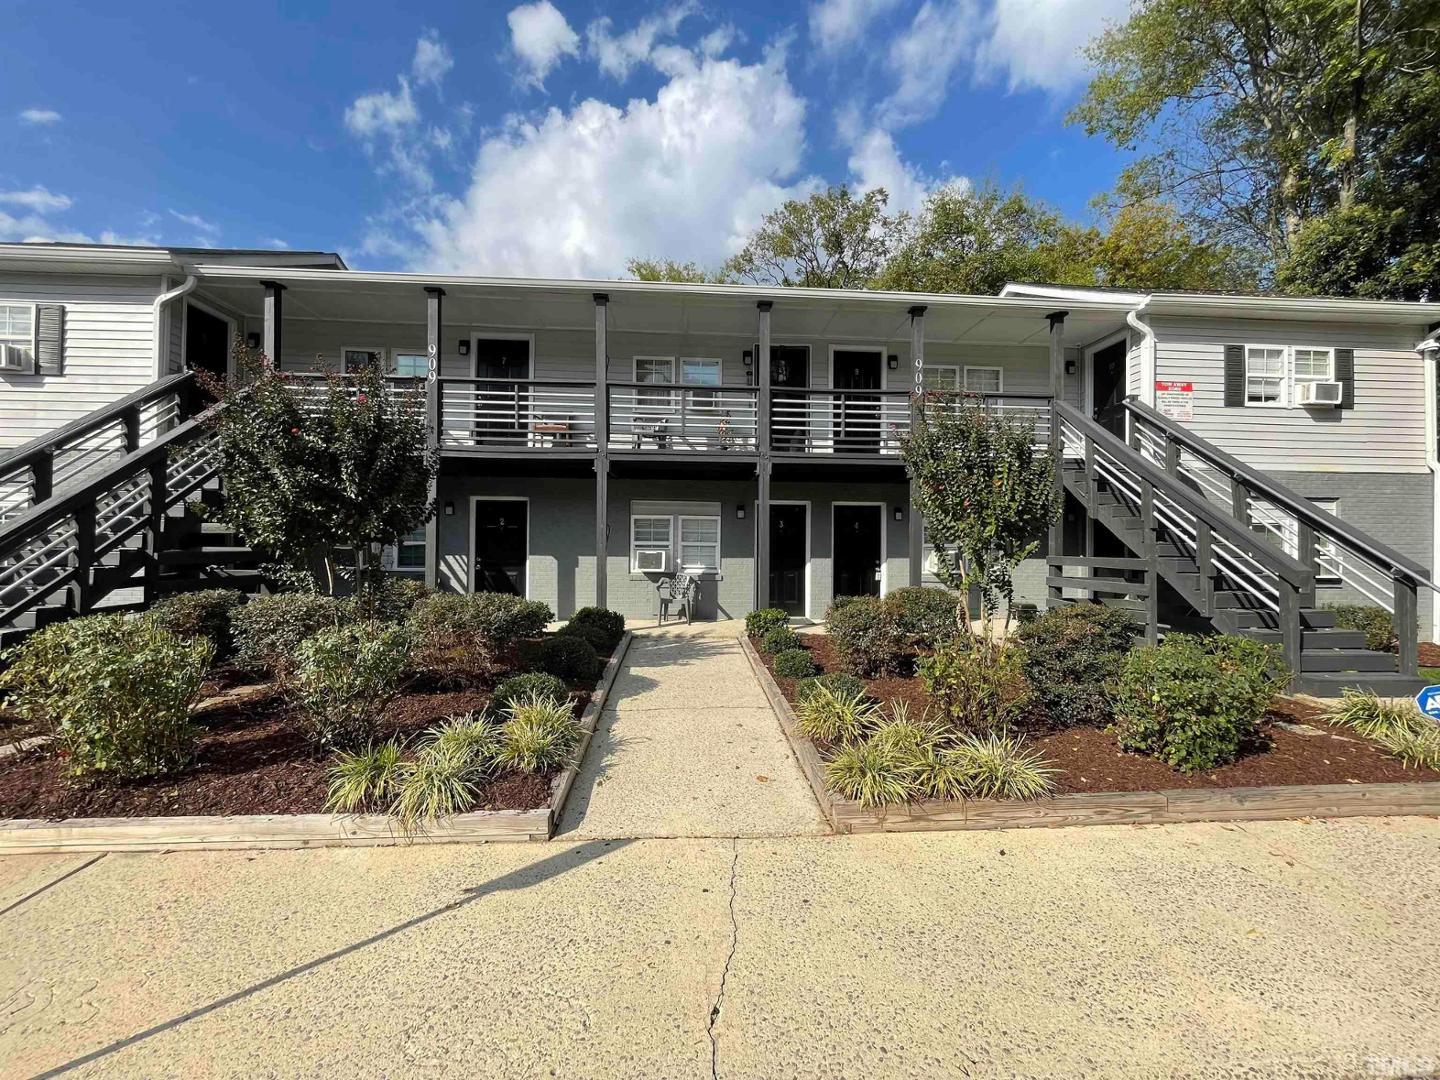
789, 525
502, 545
858, 553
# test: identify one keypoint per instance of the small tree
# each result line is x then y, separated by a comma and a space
986, 495
312, 465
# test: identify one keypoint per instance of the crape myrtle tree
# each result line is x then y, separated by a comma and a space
986, 494
316, 466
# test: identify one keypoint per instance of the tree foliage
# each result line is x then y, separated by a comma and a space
985, 492
311, 465
670, 270
832, 240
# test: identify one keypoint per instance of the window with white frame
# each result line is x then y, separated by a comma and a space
412, 363
659, 370
1313, 365
700, 371
1264, 375
357, 359
699, 544
17, 327
983, 380
407, 555
1280, 527
1329, 559
942, 378
649, 532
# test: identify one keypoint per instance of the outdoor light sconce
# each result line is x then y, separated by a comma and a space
747, 358
740, 511
899, 513
464, 347
252, 340
892, 362
449, 509
1069, 367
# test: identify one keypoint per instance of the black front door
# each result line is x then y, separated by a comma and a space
1107, 385
501, 545
788, 526
789, 366
207, 342
501, 404
856, 554
857, 416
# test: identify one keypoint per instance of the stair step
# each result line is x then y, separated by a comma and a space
217, 578
1311, 639
208, 556
39, 617
1346, 660
1332, 683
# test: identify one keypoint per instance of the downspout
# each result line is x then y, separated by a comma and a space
158, 309
1429, 351
1147, 357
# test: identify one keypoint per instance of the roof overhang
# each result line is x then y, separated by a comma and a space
130, 259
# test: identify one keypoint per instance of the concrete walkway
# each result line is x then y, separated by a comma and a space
688, 746
1280, 949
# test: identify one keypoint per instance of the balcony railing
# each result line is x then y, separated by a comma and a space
515, 413
838, 421
647, 416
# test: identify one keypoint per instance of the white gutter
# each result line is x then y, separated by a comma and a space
1429, 351
1147, 351
158, 308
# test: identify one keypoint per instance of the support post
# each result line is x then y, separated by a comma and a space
916, 522
271, 341
1056, 546
1291, 637
602, 448
80, 591
1152, 606
1406, 622
130, 429
42, 477
762, 468
434, 332
1239, 502
159, 498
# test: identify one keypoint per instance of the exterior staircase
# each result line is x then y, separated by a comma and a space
1227, 546
104, 514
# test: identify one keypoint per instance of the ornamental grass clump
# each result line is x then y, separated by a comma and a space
367, 779
998, 766
1401, 728
837, 681
539, 735
836, 715
345, 677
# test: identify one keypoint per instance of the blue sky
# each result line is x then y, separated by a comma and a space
556, 137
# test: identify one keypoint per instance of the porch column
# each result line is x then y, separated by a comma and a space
433, 333
270, 341
762, 468
602, 448
915, 521
1056, 546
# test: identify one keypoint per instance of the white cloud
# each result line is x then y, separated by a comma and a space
38, 199
1037, 43
541, 37
40, 117
575, 193
836, 25
618, 55
195, 221
432, 59
924, 57
875, 161
276, 243
382, 113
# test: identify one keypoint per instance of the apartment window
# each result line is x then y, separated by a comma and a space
407, 555
1329, 559
699, 544
1264, 375
942, 378
17, 326
353, 360
412, 363
1279, 527
1314, 365
648, 533
983, 380
700, 371
659, 370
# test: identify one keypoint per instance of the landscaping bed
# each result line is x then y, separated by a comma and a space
1088, 760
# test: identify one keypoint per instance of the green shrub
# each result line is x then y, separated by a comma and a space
599, 640
997, 766
871, 775
503, 619
864, 633
1373, 621
838, 603
539, 735
115, 691
779, 639
833, 714
345, 677
449, 646
925, 616
610, 623
763, 619
565, 656
390, 599
269, 629
531, 684
1194, 702
838, 683
367, 779
1072, 656
201, 614
794, 664
979, 688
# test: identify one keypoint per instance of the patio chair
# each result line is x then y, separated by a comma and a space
679, 593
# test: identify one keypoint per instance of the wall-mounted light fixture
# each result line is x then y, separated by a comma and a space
449, 509
892, 362
464, 347
252, 340
1069, 367
899, 513
740, 511
747, 358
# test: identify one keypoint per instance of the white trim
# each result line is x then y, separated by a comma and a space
213, 312
679, 546
669, 519
635, 367
470, 564
477, 336
1284, 376
999, 371
884, 544
809, 529
1087, 367
34, 306
883, 352
958, 369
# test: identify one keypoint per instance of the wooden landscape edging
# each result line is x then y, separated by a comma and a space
208, 833
1099, 808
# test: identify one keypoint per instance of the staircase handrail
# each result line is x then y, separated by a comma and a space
1289, 569
1275, 492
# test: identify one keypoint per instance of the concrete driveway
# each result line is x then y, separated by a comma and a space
1276, 949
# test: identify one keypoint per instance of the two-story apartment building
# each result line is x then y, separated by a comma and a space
596, 436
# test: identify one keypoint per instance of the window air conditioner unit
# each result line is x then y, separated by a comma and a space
652, 559
1319, 393
13, 358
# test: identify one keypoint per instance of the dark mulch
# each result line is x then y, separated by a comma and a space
252, 758
1429, 654
1090, 759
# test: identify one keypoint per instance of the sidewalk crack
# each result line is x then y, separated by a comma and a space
716, 1008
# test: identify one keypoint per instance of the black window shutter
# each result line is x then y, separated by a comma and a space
1345, 376
50, 339
1234, 375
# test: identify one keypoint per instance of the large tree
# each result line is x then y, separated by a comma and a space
832, 240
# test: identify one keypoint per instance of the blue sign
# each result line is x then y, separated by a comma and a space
1429, 701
